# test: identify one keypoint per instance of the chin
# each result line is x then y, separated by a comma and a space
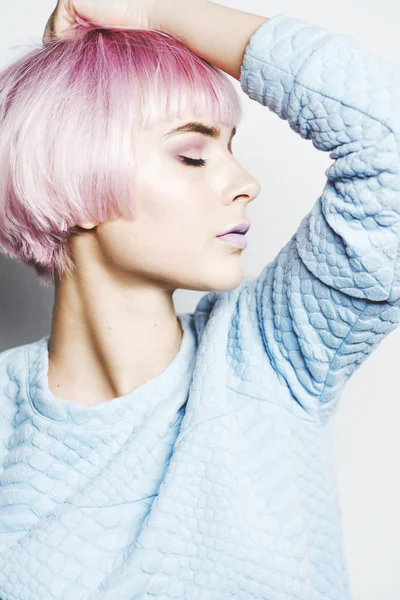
216, 276
228, 282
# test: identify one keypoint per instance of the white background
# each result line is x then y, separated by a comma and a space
292, 174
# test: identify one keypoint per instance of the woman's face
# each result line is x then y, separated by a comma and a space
180, 209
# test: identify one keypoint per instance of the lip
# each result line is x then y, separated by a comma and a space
242, 227
234, 239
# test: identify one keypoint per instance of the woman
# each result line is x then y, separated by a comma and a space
147, 454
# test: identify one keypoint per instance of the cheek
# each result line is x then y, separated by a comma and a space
159, 244
172, 204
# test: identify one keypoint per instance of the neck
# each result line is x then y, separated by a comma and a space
106, 340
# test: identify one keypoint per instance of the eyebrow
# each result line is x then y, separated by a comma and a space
196, 126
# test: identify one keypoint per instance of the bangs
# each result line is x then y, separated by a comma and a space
178, 83
158, 75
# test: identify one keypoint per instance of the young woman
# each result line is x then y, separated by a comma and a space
146, 454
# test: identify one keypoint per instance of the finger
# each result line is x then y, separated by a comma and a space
59, 24
48, 32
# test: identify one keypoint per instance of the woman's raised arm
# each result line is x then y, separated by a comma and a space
333, 291
217, 33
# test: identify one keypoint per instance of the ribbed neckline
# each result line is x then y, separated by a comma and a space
133, 405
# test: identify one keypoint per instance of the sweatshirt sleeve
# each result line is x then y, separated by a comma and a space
333, 291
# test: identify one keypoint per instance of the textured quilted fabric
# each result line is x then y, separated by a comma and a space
215, 479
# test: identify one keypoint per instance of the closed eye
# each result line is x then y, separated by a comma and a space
194, 162
199, 162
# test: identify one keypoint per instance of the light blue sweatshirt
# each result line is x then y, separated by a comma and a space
215, 479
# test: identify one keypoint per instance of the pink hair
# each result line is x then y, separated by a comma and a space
69, 110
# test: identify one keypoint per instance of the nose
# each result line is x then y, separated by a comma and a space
249, 188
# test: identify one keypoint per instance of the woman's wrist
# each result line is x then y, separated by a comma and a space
217, 33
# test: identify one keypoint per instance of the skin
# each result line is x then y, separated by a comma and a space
137, 13
114, 325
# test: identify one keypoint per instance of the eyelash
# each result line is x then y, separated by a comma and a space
193, 162
197, 162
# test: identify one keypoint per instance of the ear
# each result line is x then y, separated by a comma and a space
88, 225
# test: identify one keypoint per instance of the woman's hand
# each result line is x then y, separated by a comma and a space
111, 13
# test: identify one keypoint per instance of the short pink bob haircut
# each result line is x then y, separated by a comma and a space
69, 110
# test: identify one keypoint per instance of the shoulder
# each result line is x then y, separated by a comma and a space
13, 373
218, 303
11, 359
